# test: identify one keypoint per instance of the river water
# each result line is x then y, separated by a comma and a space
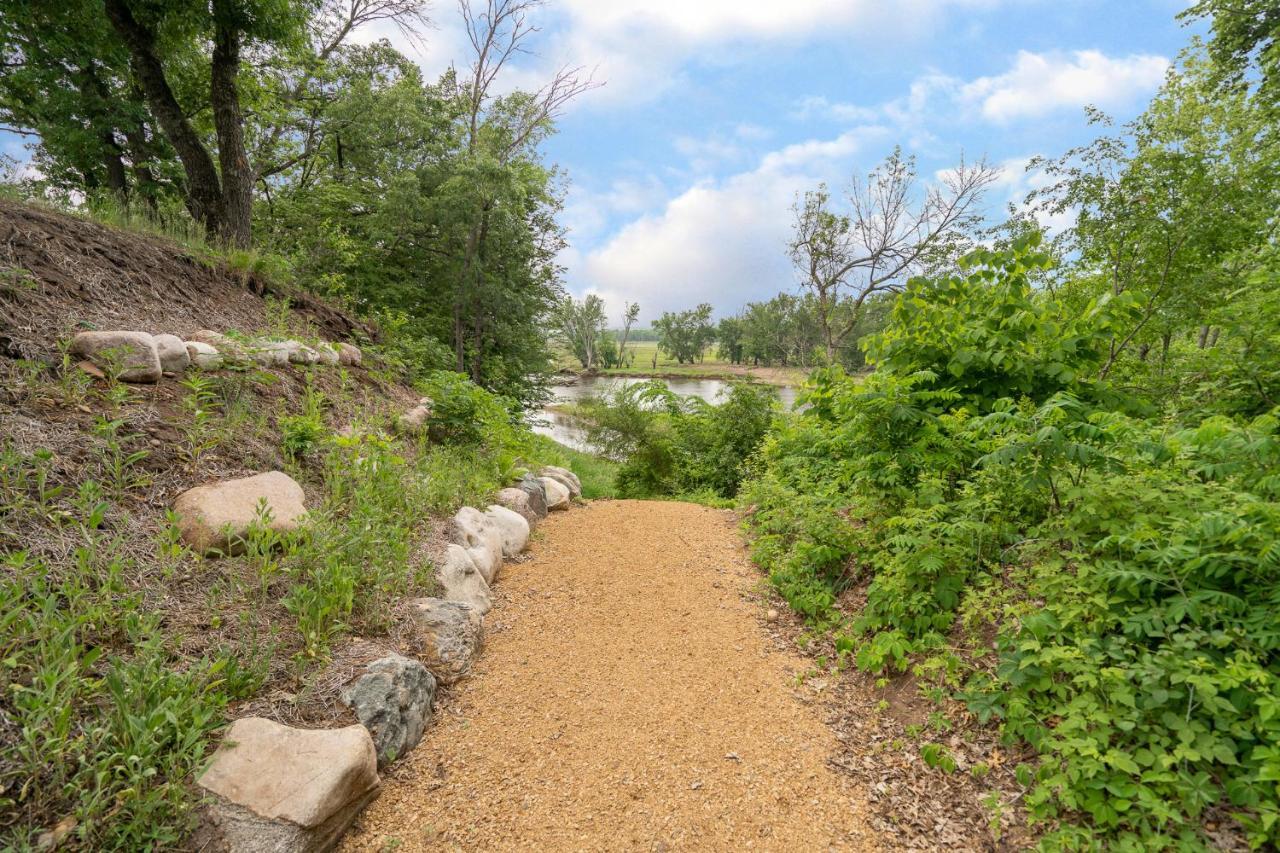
563, 429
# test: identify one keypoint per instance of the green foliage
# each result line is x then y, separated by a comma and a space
464, 413
685, 335
984, 480
986, 334
672, 445
107, 740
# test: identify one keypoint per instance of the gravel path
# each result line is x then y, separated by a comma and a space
628, 699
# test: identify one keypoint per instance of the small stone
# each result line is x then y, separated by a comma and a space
462, 581
771, 615
328, 354
564, 477
517, 500
204, 356
348, 354
283, 789
414, 421
537, 493
481, 538
303, 354
557, 493
512, 526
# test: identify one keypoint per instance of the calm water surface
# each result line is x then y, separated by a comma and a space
563, 429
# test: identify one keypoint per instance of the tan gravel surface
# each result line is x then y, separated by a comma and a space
628, 699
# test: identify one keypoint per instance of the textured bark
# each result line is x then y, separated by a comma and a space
94, 96
204, 190
228, 120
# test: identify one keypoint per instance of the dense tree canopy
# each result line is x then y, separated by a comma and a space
424, 202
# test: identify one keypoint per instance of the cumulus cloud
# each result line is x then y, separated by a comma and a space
1039, 83
722, 242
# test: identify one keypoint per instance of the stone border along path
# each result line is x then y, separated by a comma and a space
273, 787
629, 699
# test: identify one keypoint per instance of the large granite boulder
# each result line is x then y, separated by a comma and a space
218, 516
392, 699
173, 353
517, 500
133, 354
557, 493
285, 790
230, 349
564, 477
513, 527
272, 353
462, 581
327, 354
447, 636
348, 354
204, 356
537, 493
481, 538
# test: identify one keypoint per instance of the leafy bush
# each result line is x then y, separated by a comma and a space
668, 444
982, 480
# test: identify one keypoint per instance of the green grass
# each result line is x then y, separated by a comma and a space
596, 473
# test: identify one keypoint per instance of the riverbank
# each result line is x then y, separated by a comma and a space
780, 376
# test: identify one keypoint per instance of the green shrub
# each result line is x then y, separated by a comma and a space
669, 445
981, 481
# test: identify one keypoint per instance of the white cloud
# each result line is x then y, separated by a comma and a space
1039, 83
639, 46
722, 242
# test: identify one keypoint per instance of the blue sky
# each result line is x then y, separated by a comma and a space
714, 114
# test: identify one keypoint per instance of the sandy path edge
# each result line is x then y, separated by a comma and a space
627, 699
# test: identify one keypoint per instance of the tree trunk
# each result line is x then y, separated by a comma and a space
1204, 336
203, 191
94, 97
237, 175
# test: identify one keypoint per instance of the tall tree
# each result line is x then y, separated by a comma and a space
498, 131
883, 236
580, 325
630, 313
685, 335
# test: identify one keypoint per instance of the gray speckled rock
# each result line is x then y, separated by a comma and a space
447, 636
392, 699
537, 493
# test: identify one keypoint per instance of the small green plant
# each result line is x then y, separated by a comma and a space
201, 434
116, 460
938, 757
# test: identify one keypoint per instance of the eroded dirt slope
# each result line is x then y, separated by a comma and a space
628, 699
